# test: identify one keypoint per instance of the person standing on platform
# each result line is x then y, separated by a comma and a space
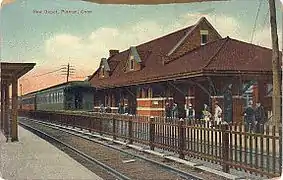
102, 108
249, 117
167, 110
217, 114
260, 118
120, 109
228, 105
190, 112
175, 110
108, 109
206, 115
126, 109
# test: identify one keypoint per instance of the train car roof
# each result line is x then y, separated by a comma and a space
62, 85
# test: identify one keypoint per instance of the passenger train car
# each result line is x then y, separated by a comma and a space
73, 95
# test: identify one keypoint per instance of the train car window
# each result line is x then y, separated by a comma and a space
62, 97
57, 97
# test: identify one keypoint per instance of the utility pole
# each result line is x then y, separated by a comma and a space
276, 99
68, 71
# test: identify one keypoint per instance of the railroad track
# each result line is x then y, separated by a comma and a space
116, 162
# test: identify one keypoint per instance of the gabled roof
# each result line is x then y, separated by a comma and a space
226, 54
235, 55
150, 54
203, 19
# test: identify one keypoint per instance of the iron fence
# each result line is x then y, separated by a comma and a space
232, 146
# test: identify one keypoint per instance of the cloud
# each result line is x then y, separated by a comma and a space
263, 37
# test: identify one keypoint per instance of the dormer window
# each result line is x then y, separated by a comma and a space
131, 62
103, 71
204, 36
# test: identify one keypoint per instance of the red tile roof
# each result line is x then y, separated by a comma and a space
225, 54
237, 55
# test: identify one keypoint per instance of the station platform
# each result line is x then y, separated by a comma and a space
35, 158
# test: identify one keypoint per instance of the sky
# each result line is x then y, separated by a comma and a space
52, 40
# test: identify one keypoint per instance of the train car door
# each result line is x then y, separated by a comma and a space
78, 100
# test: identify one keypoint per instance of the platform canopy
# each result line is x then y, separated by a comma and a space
146, 1
10, 71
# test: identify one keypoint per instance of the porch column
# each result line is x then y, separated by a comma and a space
6, 110
238, 102
201, 98
14, 123
2, 107
191, 96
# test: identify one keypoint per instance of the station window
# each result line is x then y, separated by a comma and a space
204, 36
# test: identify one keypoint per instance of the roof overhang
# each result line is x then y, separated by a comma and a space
196, 74
146, 1
10, 71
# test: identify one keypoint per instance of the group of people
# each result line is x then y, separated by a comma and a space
102, 109
255, 118
121, 109
172, 112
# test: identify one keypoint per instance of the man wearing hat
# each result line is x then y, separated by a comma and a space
217, 113
190, 112
249, 116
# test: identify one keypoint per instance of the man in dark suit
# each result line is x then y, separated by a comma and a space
260, 118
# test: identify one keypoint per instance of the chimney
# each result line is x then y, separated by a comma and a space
113, 52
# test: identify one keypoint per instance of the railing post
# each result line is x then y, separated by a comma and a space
130, 130
181, 139
89, 124
100, 124
82, 121
114, 127
225, 147
151, 132
61, 119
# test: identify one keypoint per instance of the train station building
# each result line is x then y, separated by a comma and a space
192, 65
10, 73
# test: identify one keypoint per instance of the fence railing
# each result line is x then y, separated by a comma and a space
231, 146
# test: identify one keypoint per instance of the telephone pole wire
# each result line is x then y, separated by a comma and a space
68, 71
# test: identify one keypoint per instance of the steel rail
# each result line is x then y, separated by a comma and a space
85, 156
172, 169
